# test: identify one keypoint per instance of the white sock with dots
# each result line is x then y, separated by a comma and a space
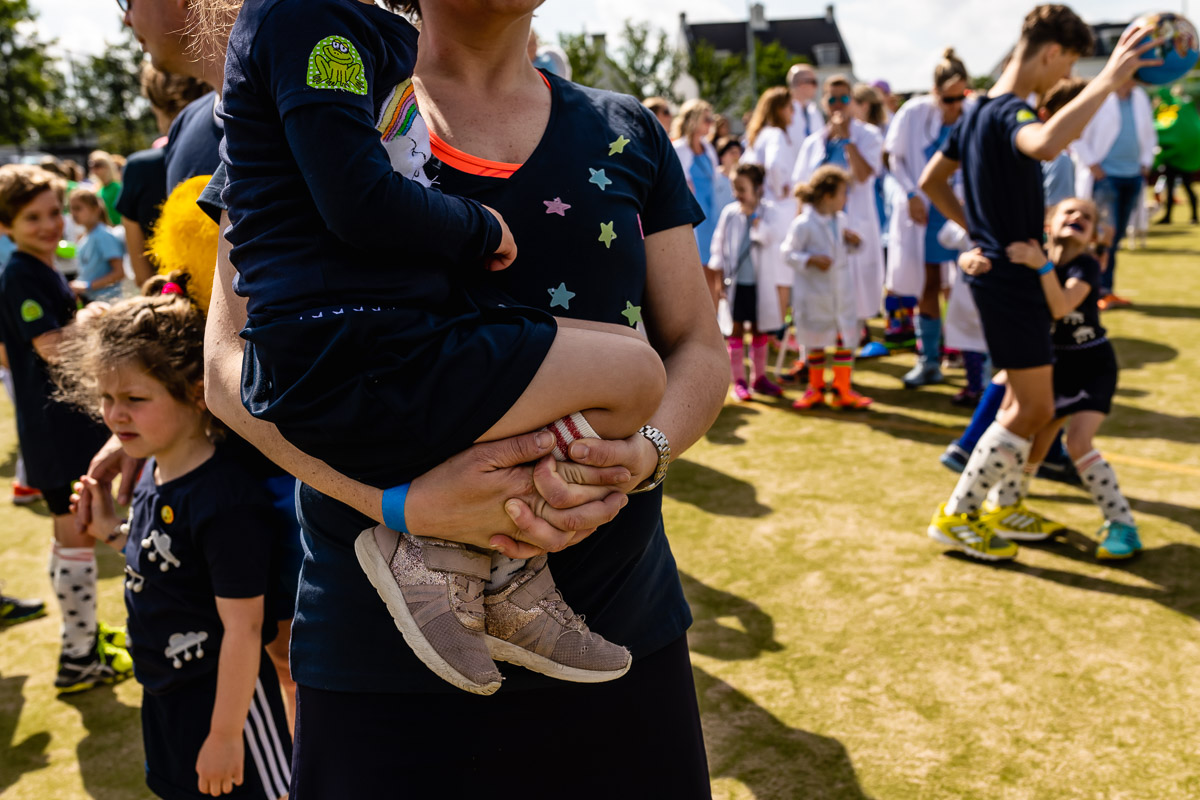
73, 575
566, 430
1100, 480
999, 456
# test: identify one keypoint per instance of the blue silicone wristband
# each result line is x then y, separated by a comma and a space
1045, 268
393, 507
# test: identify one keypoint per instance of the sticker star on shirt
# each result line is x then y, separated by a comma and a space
556, 206
607, 234
599, 178
561, 296
618, 146
632, 313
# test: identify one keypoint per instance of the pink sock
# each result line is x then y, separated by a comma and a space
737, 359
758, 355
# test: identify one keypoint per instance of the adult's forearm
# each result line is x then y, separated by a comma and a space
696, 384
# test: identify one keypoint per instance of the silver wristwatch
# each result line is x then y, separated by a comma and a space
659, 440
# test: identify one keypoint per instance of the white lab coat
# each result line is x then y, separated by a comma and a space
687, 158
806, 120
1100, 134
964, 328
914, 128
823, 301
775, 153
764, 245
866, 263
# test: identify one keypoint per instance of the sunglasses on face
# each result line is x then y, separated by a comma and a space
124, 5
952, 100
839, 99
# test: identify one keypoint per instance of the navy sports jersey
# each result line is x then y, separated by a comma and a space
1002, 187
204, 535
193, 142
318, 214
57, 441
143, 188
603, 175
1081, 329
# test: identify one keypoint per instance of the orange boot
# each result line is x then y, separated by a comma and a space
815, 396
844, 395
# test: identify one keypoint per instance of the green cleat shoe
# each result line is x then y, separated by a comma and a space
965, 532
1020, 523
1120, 541
14, 610
113, 635
104, 665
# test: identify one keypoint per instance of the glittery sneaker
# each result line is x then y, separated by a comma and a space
434, 591
529, 624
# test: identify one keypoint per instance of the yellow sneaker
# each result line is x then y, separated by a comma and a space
967, 533
1020, 522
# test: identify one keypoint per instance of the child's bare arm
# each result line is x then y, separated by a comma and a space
220, 765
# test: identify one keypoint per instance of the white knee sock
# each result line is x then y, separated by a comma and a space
566, 430
74, 579
1101, 482
999, 456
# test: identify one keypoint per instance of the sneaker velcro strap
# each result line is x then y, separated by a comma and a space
457, 560
534, 589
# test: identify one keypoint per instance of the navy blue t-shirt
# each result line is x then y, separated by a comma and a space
204, 535
318, 215
57, 440
193, 142
603, 175
1004, 201
1081, 329
143, 188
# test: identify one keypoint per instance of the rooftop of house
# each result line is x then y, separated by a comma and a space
818, 38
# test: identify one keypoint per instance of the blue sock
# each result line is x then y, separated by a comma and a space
985, 415
891, 304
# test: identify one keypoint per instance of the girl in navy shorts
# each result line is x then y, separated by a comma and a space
376, 341
197, 547
1085, 366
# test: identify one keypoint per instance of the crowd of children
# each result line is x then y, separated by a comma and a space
819, 234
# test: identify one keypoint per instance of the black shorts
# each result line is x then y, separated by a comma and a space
636, 737
175, 725
745, 304
58, 499
1016, 328
1085, 380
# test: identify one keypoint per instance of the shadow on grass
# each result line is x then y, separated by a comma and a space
1172, 569
713, 491
731, 418
1137, 353
776, 762
1129, 422
713, 638
30, 754
110, 756
1184, 515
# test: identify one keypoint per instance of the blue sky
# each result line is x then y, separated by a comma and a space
899, 41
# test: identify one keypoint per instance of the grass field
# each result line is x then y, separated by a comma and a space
838, 652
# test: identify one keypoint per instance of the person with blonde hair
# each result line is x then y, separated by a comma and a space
689, 135
104, 172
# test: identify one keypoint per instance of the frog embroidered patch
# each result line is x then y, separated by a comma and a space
335, 64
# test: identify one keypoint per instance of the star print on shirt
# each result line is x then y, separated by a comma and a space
556, 206
561, 296
599, 178
606, 233
632, 313
618, 146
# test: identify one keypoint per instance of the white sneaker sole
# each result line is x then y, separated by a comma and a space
938, 536
379, 573
1022, 536
511, 654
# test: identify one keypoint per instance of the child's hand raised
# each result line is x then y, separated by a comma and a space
851, 238
974, 262
822, 263
95, 512
506, 253
1029, 253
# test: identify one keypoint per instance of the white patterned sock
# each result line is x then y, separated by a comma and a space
74, 581
1101, 482
999, 456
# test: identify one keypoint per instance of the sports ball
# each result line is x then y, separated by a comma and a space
1178, 52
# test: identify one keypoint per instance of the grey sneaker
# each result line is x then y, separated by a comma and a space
434, 591
529, 624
